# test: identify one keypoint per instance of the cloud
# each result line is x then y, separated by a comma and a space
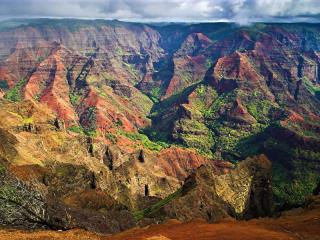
241, 11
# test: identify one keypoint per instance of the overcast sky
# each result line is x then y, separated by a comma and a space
241, 11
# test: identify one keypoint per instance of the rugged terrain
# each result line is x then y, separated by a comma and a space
106, 125
295, 224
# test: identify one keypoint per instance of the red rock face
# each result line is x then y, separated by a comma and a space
295, 117
107, 114
189, 63
239, 113
194, 43
6, 75
41, 77
236, 66
56, 95
178, 162
188, 70
240, 69
59, 63
235, 41
50, 62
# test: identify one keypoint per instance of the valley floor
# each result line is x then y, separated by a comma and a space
295, 224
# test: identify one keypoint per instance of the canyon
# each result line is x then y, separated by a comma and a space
109, 125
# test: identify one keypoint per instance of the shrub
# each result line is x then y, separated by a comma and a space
4, 85
145, 141
14, 94
75, 129
111, 137
74, 98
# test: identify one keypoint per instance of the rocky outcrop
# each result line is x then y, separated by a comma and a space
8, 152
63, 198
239, 113
244, 192
112, 157
119, 88
23, 206
141, 156
190, 64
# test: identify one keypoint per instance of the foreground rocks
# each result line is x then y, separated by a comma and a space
303, 224
60, 199
66, 196
244, 192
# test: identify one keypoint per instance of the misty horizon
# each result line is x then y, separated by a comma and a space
238, 11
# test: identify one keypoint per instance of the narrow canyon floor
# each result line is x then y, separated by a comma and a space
294, 224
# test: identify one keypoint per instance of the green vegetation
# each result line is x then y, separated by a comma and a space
156, 135
63, 170
131, 68
205, 95
199, 129
202, 120
119, 123
259, 109
186, 76
315, 90
14, 94
209, 63
220, 101
291, 189
91, 132
69, 24
155, 94
8, 191
76, 129
298, 179
111, 137
194, 134
201, 90
81, 130
2, 169
120, 52
90, 52
90, 121
107, 76
234, 143
255, 32
74, 98
145, 141
37, 97
300, 129
139, 215
166, 103
28, 120
4, 85
40, 59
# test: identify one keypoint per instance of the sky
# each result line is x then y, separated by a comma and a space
240, 11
